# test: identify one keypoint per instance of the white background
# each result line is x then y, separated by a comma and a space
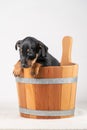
48, 21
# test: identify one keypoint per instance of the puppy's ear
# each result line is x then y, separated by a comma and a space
17, 44
43, 49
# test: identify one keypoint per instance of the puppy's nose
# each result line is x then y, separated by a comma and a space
30, 54
23, 65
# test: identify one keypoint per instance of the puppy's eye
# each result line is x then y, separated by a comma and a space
27, 50
40, 46
20, 50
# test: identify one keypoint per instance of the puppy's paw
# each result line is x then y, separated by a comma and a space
17, 72
34, 73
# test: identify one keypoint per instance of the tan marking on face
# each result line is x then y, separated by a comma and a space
20, 50
29, 62
32, 62
27, 50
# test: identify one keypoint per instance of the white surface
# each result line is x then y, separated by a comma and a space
10, 119
48, 21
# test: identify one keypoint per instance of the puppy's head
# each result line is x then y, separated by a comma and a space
30, 50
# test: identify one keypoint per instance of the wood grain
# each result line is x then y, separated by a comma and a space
66, 50
50, 97
66, 61
42, 97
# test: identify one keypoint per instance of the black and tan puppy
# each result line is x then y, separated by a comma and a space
34, 54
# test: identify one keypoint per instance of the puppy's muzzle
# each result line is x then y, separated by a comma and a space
29, 62
30, 55
24, 65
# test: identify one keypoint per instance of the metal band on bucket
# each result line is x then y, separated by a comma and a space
46, 80
47, 113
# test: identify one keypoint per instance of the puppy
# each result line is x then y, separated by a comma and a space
34, 54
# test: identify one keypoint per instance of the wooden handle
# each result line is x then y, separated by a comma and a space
66, 50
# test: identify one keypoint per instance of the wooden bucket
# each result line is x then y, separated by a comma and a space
51, 95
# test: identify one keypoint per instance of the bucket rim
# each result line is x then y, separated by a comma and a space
57, 67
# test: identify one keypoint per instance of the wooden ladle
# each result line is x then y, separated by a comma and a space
66, 50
